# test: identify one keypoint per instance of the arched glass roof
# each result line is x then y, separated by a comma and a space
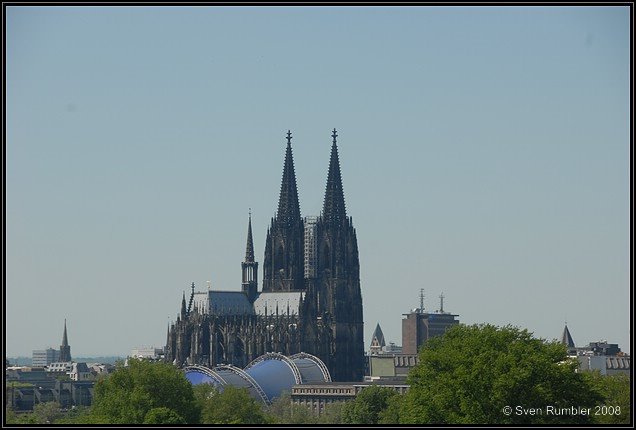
266, 377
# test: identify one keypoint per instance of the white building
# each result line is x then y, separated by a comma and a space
44, 357
80, 372
60, 367
146, 352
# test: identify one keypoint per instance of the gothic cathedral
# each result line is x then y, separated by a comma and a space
310, 301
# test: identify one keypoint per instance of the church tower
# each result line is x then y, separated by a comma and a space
65, 349
249, 267
338, 284
283, 265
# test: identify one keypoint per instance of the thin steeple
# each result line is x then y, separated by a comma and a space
64, 336
249, 248
65, 349
288, 207
334, 205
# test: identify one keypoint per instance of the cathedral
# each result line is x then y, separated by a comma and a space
310, 299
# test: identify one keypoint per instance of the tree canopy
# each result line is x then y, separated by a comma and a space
145, 391
616, 389
368, 406
233, 405
482, 374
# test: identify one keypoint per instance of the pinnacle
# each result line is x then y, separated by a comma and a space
288, 207
334, 205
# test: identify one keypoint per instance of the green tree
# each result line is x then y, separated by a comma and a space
43, 413
47, 413
616, 390
77, 415
367, 406
391, 414
128, 394
332, 413
163, 415
233, 405
482, 374
11, 417
283, 411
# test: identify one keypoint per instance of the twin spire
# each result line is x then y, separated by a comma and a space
334, 206
334, 210
288, 207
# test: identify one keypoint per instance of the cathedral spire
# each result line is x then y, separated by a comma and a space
334, 205
288, 207
249, 249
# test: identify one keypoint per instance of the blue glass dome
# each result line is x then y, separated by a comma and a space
266, 377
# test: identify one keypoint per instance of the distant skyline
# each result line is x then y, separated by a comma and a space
485, 154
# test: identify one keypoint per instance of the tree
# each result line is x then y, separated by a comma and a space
482, 374
163, 415
616, 389
43, 413
391, 414
367, 406
77, 415
233, 405
47, 413
331, 414
130, 393
283, 411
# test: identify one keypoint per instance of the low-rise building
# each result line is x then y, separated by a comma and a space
60, 367
147, 352
80, 372
317, 396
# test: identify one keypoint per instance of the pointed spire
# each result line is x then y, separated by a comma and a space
183, 306
334, 205
378, 336
65, 336
288, 207
249, 249
566, 338
65, 349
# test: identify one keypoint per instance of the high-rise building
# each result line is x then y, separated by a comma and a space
44, 357
310, 299
419, 326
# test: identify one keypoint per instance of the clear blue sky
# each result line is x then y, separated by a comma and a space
484, 152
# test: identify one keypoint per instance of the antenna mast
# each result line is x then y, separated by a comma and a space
421, 300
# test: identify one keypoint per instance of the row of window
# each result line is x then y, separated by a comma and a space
323, 391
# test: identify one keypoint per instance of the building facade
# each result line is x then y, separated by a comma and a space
310, 300
419, 326
317, 396
44, 357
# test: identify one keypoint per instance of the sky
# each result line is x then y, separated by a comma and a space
485, 153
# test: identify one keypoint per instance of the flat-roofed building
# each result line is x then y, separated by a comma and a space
44, 357
317, 396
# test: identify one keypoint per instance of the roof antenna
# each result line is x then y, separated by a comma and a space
421, 300
441, 303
